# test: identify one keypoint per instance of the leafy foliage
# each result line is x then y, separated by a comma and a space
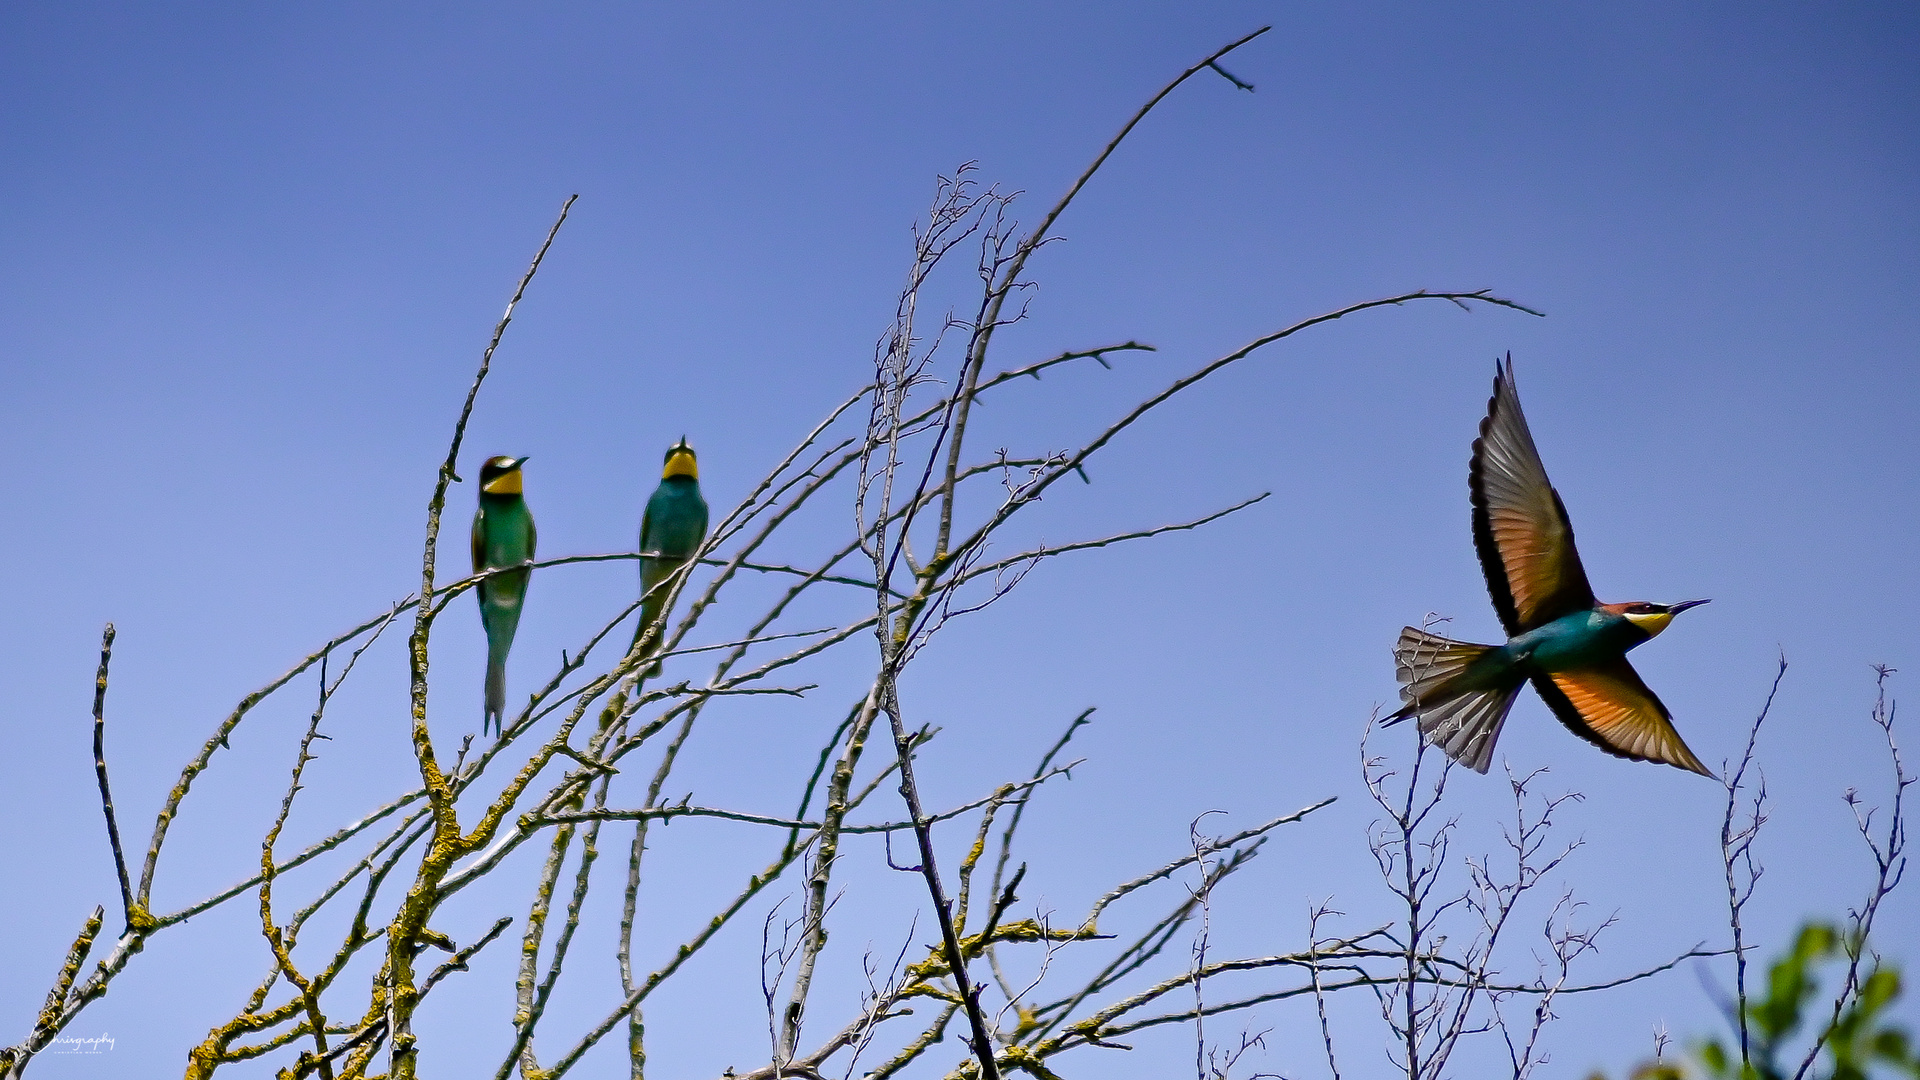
1856, 1036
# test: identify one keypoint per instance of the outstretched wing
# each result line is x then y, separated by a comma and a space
1611, 708
1520, 526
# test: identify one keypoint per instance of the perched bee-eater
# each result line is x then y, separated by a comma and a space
1570, 646
670, 532
503, 535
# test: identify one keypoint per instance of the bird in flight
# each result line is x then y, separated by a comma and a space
1571, 647
503, 536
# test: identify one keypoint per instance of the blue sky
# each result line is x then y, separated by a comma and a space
250, 255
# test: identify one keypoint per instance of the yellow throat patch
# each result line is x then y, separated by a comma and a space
1652, 622
507, 483
681, 463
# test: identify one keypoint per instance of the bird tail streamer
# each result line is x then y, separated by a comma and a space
496, 688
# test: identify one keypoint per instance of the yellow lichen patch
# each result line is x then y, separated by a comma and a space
1025, 1020
1024, 1059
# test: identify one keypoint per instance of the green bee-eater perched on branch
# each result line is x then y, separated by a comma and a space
671, 529
1571, 647
503, 535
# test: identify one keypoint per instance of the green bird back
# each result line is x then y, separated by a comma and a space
503, 535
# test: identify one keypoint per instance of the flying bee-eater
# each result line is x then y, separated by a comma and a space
503, 536
671, 529
1571, 647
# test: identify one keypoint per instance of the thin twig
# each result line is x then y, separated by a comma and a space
674, 810
1890, 865
1736, 850
134, 915
218, 740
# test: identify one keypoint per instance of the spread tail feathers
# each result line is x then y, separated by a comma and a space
1459, 710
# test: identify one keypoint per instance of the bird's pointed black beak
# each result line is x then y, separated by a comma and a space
1675, 609
522, 461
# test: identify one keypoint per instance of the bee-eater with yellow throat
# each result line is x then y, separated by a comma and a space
671, 529
503, 536
1571, 647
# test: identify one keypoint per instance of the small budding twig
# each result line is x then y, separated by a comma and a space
1736, 853
136, 919
1890, 865
280, 941
1203, 896
1013, 826
1318, 912
218, 741
942, 907
376, 1031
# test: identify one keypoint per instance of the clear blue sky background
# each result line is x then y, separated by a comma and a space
249, 256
